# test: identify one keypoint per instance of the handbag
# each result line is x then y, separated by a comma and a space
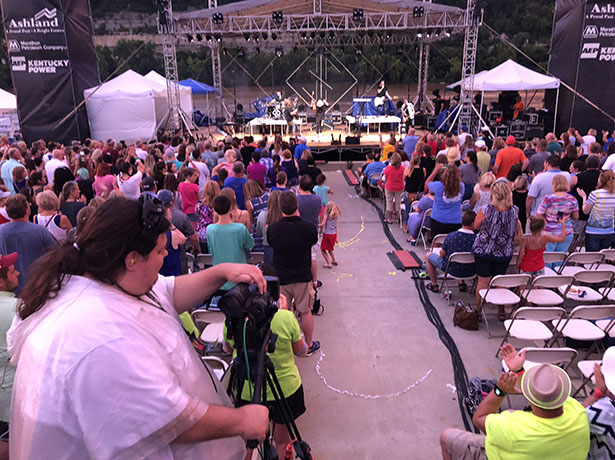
465, 317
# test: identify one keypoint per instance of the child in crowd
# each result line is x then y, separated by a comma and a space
189, 192
329, 227
531, 253
280, 182
321, 190
519, 193
482, 192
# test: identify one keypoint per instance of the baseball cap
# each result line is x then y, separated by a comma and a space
480, 143
302, 139
166, 196
608, 368
546, 386
148, 184
510, 140
8, 260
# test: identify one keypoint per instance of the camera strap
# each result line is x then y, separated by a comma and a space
151, 298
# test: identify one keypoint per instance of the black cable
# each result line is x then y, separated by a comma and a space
459, 370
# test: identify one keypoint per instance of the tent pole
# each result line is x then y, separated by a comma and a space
555, 114
482, 100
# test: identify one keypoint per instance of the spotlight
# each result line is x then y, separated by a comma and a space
381, 49
274, 36
428, 35
303, 36
240, 53
388, 35
247, 37
418, 12
279, 52
265, 35
257, 38
448, 32
357, 14
277, 17
224, 51
218, 18
331, 34
190, 38
218, 38
358, 51
322, 35
419, 34
199, 37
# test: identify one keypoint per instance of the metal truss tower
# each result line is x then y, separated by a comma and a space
422, 102
473, 20
166, 28
216, 68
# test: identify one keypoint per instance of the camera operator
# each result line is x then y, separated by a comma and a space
104, 369
289, 342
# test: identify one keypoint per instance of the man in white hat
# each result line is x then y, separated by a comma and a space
601, 409
555, 428
484, 159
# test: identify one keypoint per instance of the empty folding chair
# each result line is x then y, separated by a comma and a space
527, 323
561, 357
587, 286
579, 261
540, 292
501, 292
580, 324
424, 229
190, 263
609, 261
553, 258
204, 261
217, 365
464, 258
211, 324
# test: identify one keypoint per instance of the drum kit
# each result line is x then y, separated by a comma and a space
276, 108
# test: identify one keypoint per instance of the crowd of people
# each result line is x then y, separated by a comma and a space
94, 265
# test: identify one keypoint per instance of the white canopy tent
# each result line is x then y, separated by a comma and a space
185, 92
9, 121
126, 107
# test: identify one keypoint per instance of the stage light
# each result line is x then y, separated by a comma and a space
240, 53
381, 49
218, 38
428, 35
331, 34
277, 17
199, 37
358, 51
303, 36
218, 18
418, 12
224, 51
419, 34
448, 32
247, 37
274, 36
190, 38
388, 35
279, 52
257, 38
322, 35
357, 14
265, 35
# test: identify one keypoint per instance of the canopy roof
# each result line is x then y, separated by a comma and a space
128, 84
161, 80
197, 86
8, 101
511, 76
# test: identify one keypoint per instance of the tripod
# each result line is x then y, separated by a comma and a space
262, 373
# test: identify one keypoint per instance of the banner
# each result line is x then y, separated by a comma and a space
583, 56
48, 80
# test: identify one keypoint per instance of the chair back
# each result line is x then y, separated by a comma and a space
461, 258
552, 281
584, 258
539, 313
190, 262
256, 258
594, 277
438, 240
592, 312
204, 260
609, 256
425, 217
374, 177
413, 205
554, 257
510, 281
203, 317
550, 355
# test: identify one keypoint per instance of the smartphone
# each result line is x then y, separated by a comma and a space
560, 215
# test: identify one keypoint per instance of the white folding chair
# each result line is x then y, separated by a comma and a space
580, 324
424, 229
371, 186
540, 291
579, 261
501, 293
587, 371
204, 261
609, 260
534, 356
211, 324
527, 323
465, 258
217, 365
402, 208
437, 242
581, 290
190, 262
553, 258
256, 258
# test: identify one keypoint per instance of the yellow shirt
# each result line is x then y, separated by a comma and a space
386, 151
520, 435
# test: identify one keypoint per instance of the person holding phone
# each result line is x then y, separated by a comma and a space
129, 181
555, 207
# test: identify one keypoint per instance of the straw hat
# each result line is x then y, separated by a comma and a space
546, 386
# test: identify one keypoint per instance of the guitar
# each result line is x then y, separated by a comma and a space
379, 100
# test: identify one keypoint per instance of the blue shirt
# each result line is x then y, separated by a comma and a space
299, 149
236, 183
321, 191
374, 168
446, 210
7, 174
228, 243
409, 144
459, 241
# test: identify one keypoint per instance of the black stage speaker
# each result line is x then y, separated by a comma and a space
353, 140
535, 131
431, 123
501, 130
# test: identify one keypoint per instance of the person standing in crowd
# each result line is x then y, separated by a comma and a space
240, 216
189, 191
329, 229
497, 225
309, 210
49, 215
531, 251
292, 239
519, 192
470, 174
168, 404
57, 161
508, 157
322, 191
14, 160
570, 155
299, 148
600, 206
256, 170
537, 161
70, 202
267, 217
554, 147
482, 193
393, 187
19, 235
542, 185
236, 182
483, 158
256, 202
560, 204
128, 181
291, 166
448, 191
205, 211
195, 159
103, 180
409, 142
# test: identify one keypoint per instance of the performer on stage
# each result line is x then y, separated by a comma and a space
319, 106
407, 114
289, 114
518, 108
382, 95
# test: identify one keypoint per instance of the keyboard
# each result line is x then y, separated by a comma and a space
362, 99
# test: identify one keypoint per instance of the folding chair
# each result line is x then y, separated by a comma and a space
437, 242
562, 357
553, 258
256, 258
512, 265
500, 293
190, 263
217, 365
579, 261
402, 208
609, 260
371, 186
203, 261
579, 324
540, 291
211, 324
581, 292
465, 258
527, 323
587, 371
424, 229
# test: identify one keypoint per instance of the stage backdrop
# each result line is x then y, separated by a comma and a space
53, 59
583, 56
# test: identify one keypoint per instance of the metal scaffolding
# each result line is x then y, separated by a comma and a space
473, 21
166, 28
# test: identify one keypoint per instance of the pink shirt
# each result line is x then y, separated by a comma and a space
257, 171
103, 185
190, 196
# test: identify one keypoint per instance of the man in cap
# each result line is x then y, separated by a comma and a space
555, 428
508, 157
484, 159
300, 147
600, 406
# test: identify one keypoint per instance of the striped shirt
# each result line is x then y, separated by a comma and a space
268, 162
601, 216
551, 205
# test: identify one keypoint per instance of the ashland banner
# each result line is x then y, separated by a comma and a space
583, 56
52, 59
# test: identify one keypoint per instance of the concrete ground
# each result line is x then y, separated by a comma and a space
377, 340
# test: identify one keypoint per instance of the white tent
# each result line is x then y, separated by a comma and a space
9, 121
126, 107
510, 76
185, 92
477, 78
8, 101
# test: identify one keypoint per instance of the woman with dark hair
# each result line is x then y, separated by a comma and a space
569, 155
60, 177
170, 183
256, 202
166, 403
470, 173
277, 167
587, 181
448, 191
129, 181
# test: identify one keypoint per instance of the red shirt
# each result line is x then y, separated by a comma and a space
190, 196
395, 179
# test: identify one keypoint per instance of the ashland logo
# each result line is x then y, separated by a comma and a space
608, 8
44, 18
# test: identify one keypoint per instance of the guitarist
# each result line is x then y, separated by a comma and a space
289, 114
382, 95
407, 114
319, 106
